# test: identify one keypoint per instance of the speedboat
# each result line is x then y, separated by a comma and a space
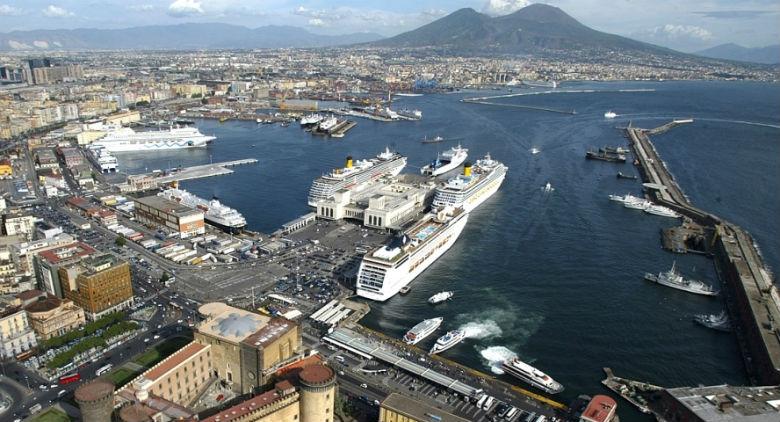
610, 115
440, 297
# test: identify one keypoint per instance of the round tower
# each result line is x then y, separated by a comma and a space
318, 393
96, 401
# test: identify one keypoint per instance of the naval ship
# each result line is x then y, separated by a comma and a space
214, 212
355, 175
473, 187
385, 270
674, 280
125, 139
531, 375
422, 330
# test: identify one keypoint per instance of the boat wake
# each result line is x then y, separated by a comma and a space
495, 355
481, 329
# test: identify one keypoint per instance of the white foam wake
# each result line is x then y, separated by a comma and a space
481, 329
495, 355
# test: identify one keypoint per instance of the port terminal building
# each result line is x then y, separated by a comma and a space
388, 203
169, 216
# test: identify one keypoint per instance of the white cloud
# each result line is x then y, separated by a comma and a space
41, 44
316, 22
682, 31
6, 10
18, 45
53, 11
181, 8
504, 7
141, 7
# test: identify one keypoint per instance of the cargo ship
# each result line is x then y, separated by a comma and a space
387, 269
355, 175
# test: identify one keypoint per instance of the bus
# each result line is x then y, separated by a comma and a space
69, 378
103, 369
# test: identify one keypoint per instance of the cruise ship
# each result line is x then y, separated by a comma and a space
125, 139
674, 280
215, 213
531, 375
385, 270
355, 175
473, 187
422, 330
102, 159
448, 341
446, 161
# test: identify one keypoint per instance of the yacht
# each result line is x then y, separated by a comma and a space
547, 188
448, 341
638, 205
531, 375
387, 269
662, 211
422, 330
625, 198
674, 280
440, 297
473, 187
446, 161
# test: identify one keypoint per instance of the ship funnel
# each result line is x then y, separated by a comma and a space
349, 162
467, 169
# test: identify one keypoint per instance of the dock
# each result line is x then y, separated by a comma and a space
201, 171
752, 297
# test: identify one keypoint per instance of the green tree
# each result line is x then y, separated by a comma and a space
164, 278
121, 241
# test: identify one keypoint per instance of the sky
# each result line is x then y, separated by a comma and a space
686, 25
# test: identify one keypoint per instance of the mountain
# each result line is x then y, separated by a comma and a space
766, 55
175, 37
532, 29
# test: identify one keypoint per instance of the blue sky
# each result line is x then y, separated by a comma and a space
685, 25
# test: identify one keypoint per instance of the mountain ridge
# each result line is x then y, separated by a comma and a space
765, 55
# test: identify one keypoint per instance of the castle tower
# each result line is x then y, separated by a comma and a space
318, 393
96, 401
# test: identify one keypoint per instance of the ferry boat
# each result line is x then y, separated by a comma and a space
384, 271
661, 211
674, 280
311, 119
102, 159
440, 297
718, 322
446, 161
410, 114
124, 139
531, 375
215, 213
422, 330
610, 114
448, 341
473, 187
355, 175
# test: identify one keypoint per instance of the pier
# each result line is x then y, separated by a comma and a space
197, 172
752, 298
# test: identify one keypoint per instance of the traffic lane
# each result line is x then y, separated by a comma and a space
18, 396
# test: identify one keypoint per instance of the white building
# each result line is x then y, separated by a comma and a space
16, 335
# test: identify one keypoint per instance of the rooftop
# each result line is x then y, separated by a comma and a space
167, 206
316, 374
723, 403
269, 333
246, 407
229, 323
174, 360
74, 250
94, 390
418, 410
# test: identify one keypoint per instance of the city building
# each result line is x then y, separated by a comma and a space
720, 403
19, 224
98, 284
309, 397
16, 335
95, 400
180, 378
169, 216
50, 316
398, 408
71, 156
600, 408
47, 265
247, 348
123, 118
6, 169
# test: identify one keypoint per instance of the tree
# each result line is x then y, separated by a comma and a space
164, 278
121, 241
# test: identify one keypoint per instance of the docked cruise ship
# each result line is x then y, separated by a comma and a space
102, 159
215, 213
473, 187
531, 375
385, 270
446, 161
125, 139
422, 330
354, 175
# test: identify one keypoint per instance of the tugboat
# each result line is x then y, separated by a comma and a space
718, 322
674, 280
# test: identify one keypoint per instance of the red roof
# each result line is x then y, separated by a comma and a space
245, 408
600, 409
77, 249
174, 360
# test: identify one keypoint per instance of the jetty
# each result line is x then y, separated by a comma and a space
752, 297
197, 172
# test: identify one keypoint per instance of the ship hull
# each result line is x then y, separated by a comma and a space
654, 279
397, 277
530, 380
161, 145
224, 227
475, 198
356, 181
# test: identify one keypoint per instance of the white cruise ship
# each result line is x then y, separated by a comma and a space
125, 139
446, 161
355, 175
531, 375
102, 159
473, 187
385, 270
215, 213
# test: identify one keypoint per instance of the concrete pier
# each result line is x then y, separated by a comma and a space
751, 295
197, 172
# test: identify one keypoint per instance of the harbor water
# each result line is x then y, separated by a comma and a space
552, 277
